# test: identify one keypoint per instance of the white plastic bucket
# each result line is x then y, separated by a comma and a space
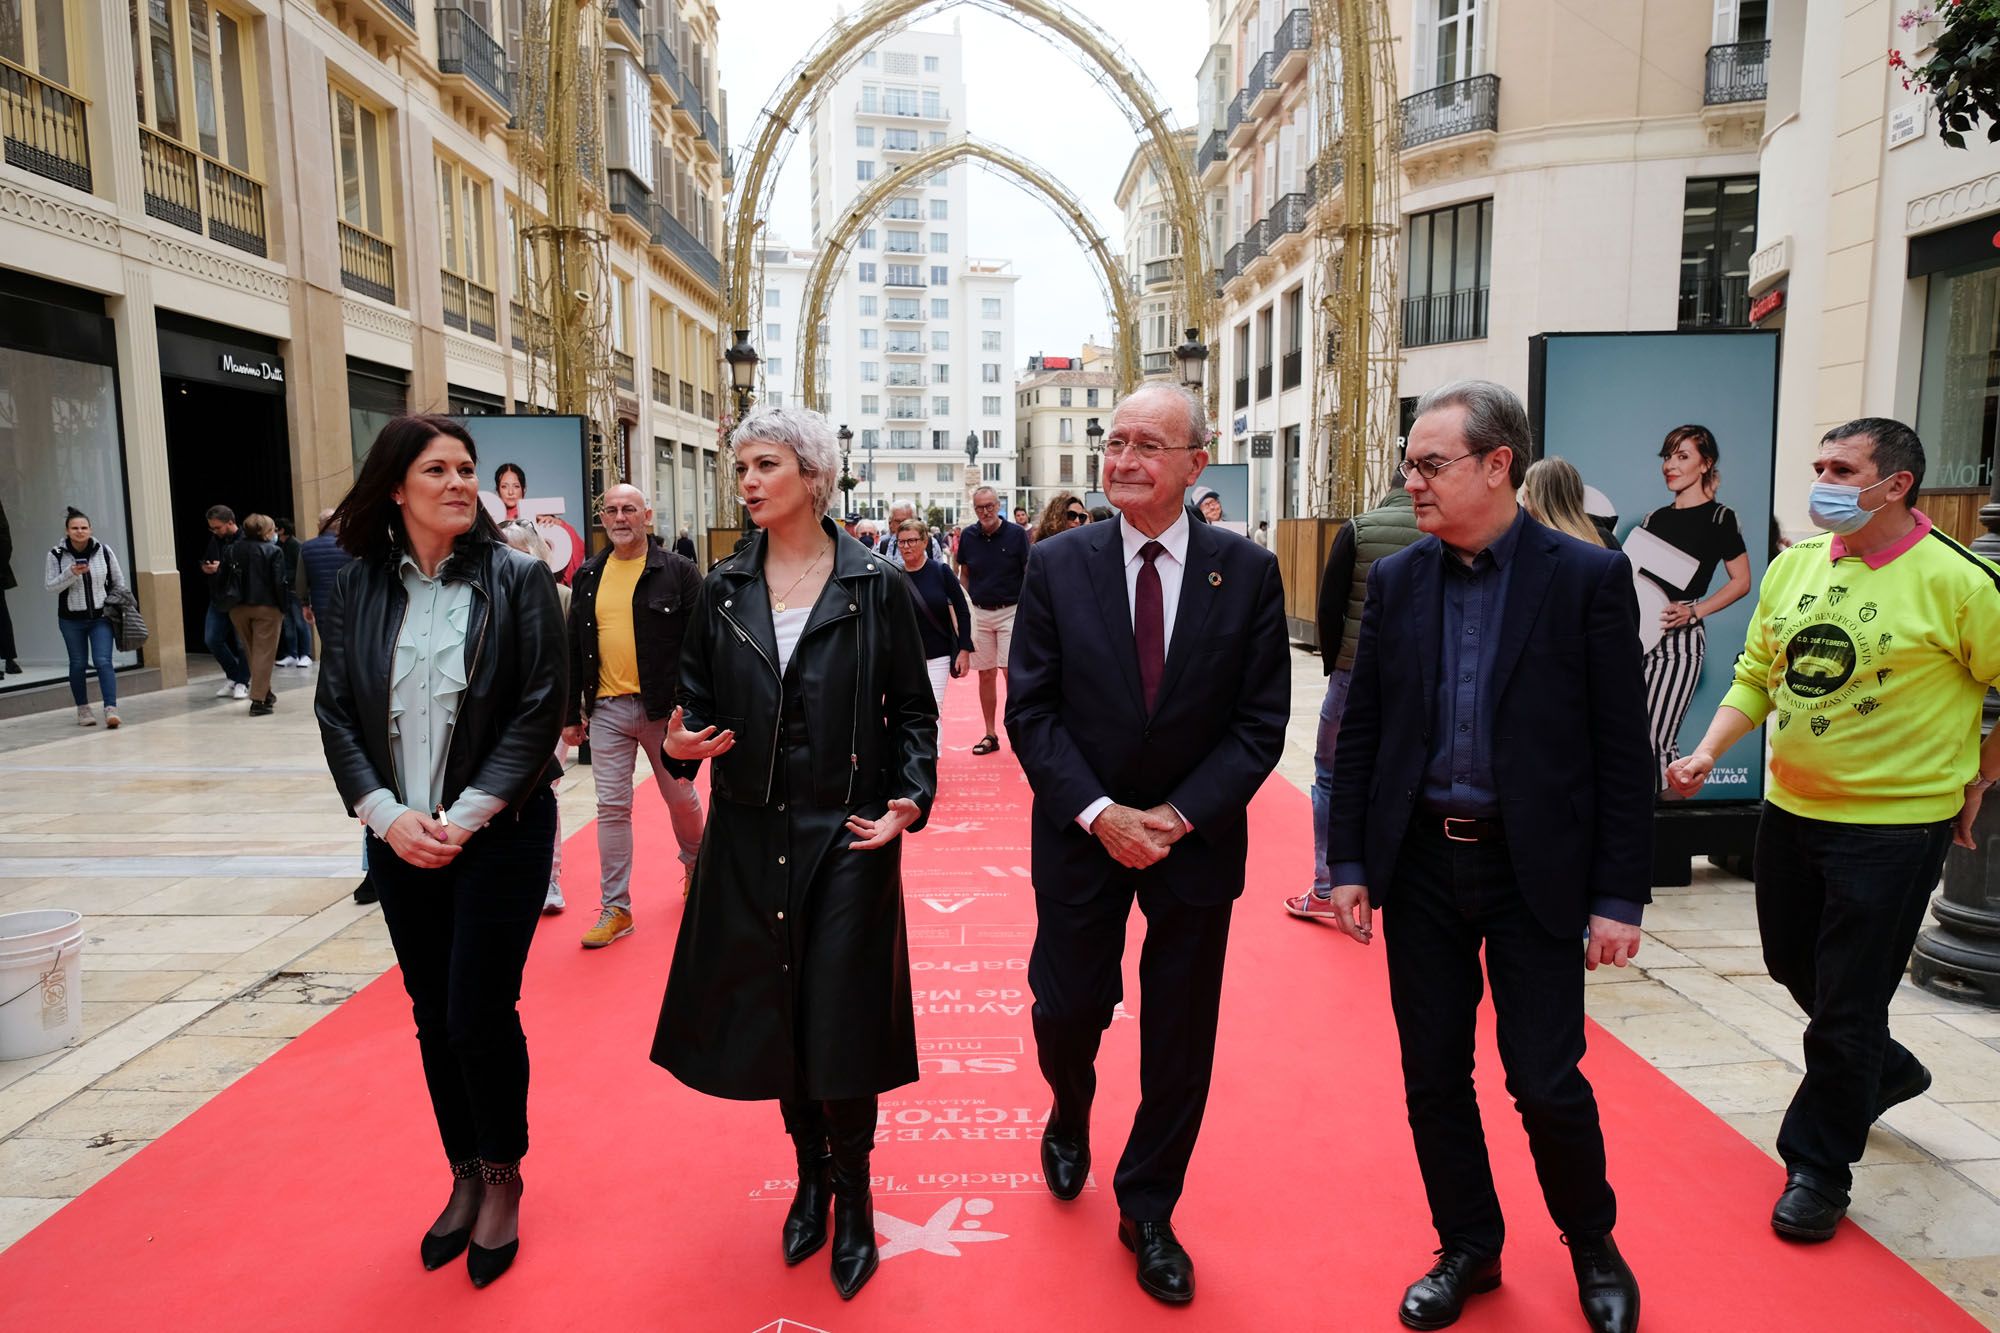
41, 990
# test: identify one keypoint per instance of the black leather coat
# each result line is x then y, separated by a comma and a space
869, 706
511, 713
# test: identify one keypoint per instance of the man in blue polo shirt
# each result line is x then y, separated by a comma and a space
992, 561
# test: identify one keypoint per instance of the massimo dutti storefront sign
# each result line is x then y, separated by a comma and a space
189, 356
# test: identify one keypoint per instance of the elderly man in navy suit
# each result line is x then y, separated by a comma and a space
1149, 690
1493, 792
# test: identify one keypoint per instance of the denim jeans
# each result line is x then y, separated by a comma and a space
294, 635
1330, 710
220, 637
1838, 907
92, 639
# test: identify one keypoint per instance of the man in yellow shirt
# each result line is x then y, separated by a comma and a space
629, 607
1874, 644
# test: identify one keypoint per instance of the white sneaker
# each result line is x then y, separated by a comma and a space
85, 717
288, 661
225, 690
111, 719
554, 902
303, 663
239, 691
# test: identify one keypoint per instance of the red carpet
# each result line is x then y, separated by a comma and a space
294, 1200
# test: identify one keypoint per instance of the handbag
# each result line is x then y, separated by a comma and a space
128, 626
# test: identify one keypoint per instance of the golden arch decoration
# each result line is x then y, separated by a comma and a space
844, 43
839, 243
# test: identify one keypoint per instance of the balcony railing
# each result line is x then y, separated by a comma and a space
464, 47
707, 405
172, 176
1261, 78
405, 10
627, 13
1736, 73
913, 113
1451, 109
903, 280
1294, 39
1239, 112
1232, 263
1291, 371
1242, 396
711, 131
1287, 216
668, 231
1159, 271
367, 263
903, 347
1214, 149
661, 63
42, 128
235, 207
1264, 380
1446, 317
467, 306
905, 377
1255, 242
525, 322
628, 196
622, 370
1715, 303
663, 387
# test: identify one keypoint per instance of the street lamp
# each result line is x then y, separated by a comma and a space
846, 473
743, 361
1193, 358
1096, 434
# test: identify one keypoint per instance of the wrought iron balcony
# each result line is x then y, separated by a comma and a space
627, 13
1715, 303
465, 48
1214, 152
1242, 396
406, 10
367, 263
712, 132
1314, 194
1737, 72
1232, 264
1262, 85
661, 64
680, 242
663, 387
1445, 317
1287, 216
467, 306
42, 128
1293, 45
1264, 380
1451, 109
622, 370
629, 196
1255, 242
1291, 371
1239, 116
172, 176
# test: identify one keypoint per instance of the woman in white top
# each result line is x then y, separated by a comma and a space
81, 571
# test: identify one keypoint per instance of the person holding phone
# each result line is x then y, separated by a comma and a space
81, 570
944, 617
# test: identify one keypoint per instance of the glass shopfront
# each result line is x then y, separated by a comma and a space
376, 395
60, 446
1958, 398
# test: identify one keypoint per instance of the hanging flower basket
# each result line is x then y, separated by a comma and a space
1959, 66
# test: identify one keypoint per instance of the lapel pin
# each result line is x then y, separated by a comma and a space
1214, 579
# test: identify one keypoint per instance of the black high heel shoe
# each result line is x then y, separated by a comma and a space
437, 1251
484, 1265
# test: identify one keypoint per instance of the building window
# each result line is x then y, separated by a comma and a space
864, 170
1065, 430
34, 34
989, 341
774, 398
989, 307
940, 210
362, 163
930, 64
870, 59
906, 472
940, 307
1066, 469
774, 367
870, 338
864, 136
871, 405
1090, 398
989, 439
1063, 398
773, 298
989, 372
1450, 260
989, 407
1264, 353
946, 473
940, 275
940, 406
871, 439
196, 76
1451, 39
774, 334
867, 241
1240, 363
941, 373
1958, 399
1718, 236
940, 340
866, 272
940, 242
871, 372
1293, 369
902, 242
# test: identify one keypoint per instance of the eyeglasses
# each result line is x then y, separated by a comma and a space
1145, 449
1430, 467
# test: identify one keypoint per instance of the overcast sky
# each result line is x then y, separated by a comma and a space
1024, 94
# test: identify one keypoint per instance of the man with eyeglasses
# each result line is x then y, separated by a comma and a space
900, 513
1150, 692
1493, 791
992, 560
629, 607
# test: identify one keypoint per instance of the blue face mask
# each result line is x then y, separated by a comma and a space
1837, 509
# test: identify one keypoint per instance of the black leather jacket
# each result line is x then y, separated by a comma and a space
510, 715
662, 604
870, 712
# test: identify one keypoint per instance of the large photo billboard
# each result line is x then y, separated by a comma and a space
533, 467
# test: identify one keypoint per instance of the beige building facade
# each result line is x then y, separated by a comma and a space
238, 235
1152, 244
1054, 406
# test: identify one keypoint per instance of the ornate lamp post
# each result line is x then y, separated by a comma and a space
1959, 956
1095, 434
1193, 358
846, 474
743, 361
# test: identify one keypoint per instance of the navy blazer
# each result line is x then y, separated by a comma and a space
1571, 756
1077, 722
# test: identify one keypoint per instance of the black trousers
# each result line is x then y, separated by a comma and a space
462, 934
8, 651
1838, 907
1075, 974
1449, 899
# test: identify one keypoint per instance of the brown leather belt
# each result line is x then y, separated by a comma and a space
1456, 829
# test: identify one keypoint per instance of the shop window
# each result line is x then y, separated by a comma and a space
1718, 236
1958, 400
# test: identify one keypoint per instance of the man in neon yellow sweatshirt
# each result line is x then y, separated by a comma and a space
1872, 647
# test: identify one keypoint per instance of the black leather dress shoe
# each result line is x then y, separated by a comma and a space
1165, 1271
1065, 1164
1436, 1299
1916, 1085
1605, 1287
1808, 1210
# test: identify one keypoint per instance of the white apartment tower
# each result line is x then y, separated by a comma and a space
919, 331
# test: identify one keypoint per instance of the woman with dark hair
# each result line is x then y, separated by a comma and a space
81, 570
1707, 533
945, 617
440, 703
1060, 514
510, 483
802, 680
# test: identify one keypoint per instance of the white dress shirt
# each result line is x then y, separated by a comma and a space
1171, 565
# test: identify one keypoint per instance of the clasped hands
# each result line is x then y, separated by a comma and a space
424, 842
1138, 838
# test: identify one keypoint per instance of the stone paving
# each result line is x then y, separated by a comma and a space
215, 868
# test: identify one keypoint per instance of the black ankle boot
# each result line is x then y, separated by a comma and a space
805, 1220
851, 1135
439, 1250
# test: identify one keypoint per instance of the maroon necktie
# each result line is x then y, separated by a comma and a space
1149, 625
